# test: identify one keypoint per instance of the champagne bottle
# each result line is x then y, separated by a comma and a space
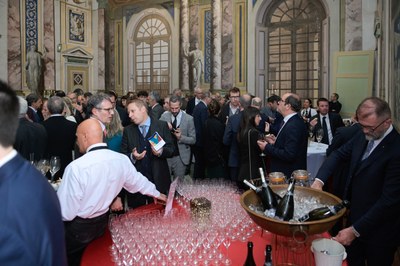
259, 191
271, 198
324, 212
250, 259
285, 208
268, 256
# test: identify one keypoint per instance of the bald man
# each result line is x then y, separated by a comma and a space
89, 186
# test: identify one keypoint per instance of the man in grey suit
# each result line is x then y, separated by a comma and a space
183, 134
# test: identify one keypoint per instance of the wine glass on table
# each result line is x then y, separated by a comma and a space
55, 165
319, 136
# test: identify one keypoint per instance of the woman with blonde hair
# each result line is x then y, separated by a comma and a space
67, 109
114, 133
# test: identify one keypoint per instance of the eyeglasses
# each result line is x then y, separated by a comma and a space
110, 110
372, 129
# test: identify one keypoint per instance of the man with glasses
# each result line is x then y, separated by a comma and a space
101, 108
372, 186
232, 107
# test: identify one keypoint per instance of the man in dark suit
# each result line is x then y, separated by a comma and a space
156, 110
230, 138
288, 150
198, 94
34, 104
334, 105
200, 115
31, 137
31, 229
372, 186
60, 133
331, 120
232, 107
150, 162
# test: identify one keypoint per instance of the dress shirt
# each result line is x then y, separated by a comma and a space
91, 182
8, 157
377, 141
233, 110
178, 118
328, 125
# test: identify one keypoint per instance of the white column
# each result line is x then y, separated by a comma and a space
216, 45
184, 77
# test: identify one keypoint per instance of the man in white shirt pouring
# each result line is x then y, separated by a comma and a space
89, 186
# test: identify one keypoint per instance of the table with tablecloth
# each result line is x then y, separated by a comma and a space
316, 155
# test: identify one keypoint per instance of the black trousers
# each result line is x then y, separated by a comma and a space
361, 253
79, 233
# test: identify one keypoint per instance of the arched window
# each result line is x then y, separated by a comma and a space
152, 54
294, 47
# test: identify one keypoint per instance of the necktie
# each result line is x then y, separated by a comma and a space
174, 122
368, 149
325, 139
143, 130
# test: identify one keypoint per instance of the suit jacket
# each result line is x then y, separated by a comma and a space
200, 115
190, 105
213, 133
289, 152
61, 137
372, 186
34, 116
156, 111
31, 138
230, 139
188, 134
335, 121
31, 228
131, 139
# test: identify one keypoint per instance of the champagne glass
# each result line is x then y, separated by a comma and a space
261, 136
319, 135
55, 165
43, 166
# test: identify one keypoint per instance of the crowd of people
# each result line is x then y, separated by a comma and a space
109, 163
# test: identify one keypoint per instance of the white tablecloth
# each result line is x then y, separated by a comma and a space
316, 154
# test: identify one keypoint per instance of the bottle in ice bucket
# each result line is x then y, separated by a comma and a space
268, 256
261, 192
285, 207
324, 212
269, 195
250, 259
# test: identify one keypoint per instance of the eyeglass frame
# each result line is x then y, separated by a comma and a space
106, 109
372, 129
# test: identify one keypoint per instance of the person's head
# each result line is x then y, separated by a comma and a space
86, 97
45, 110
89, 132
196, 44
334, 97
245, 101
79, 95
113, 97
256, 102
9, 111
213, 107
323, 106
177, 92
289, 104
175, 104
23, 106
307, 103
115, 126
206, 97
154, 98
142, 95
272, 102
32, 48
101, 108
374, 116
137, 111
68, 106
198, 93
166, 103
123, 100
34, 100
250, 119
72, 96
234, 95
55, 105
59, 93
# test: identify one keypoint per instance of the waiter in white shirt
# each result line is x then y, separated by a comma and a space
89, 186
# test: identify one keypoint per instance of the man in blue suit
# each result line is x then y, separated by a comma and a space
372, 186
31, 229
287, 150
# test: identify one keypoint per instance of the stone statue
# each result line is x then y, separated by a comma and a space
33, 66
196, 60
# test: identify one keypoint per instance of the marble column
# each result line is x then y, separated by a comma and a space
353, 25
227, 54
216, 45
14, 45
48, 46
184, 41
101, 47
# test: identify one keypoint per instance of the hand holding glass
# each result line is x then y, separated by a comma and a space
55, 165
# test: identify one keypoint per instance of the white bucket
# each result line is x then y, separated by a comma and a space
328, 252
